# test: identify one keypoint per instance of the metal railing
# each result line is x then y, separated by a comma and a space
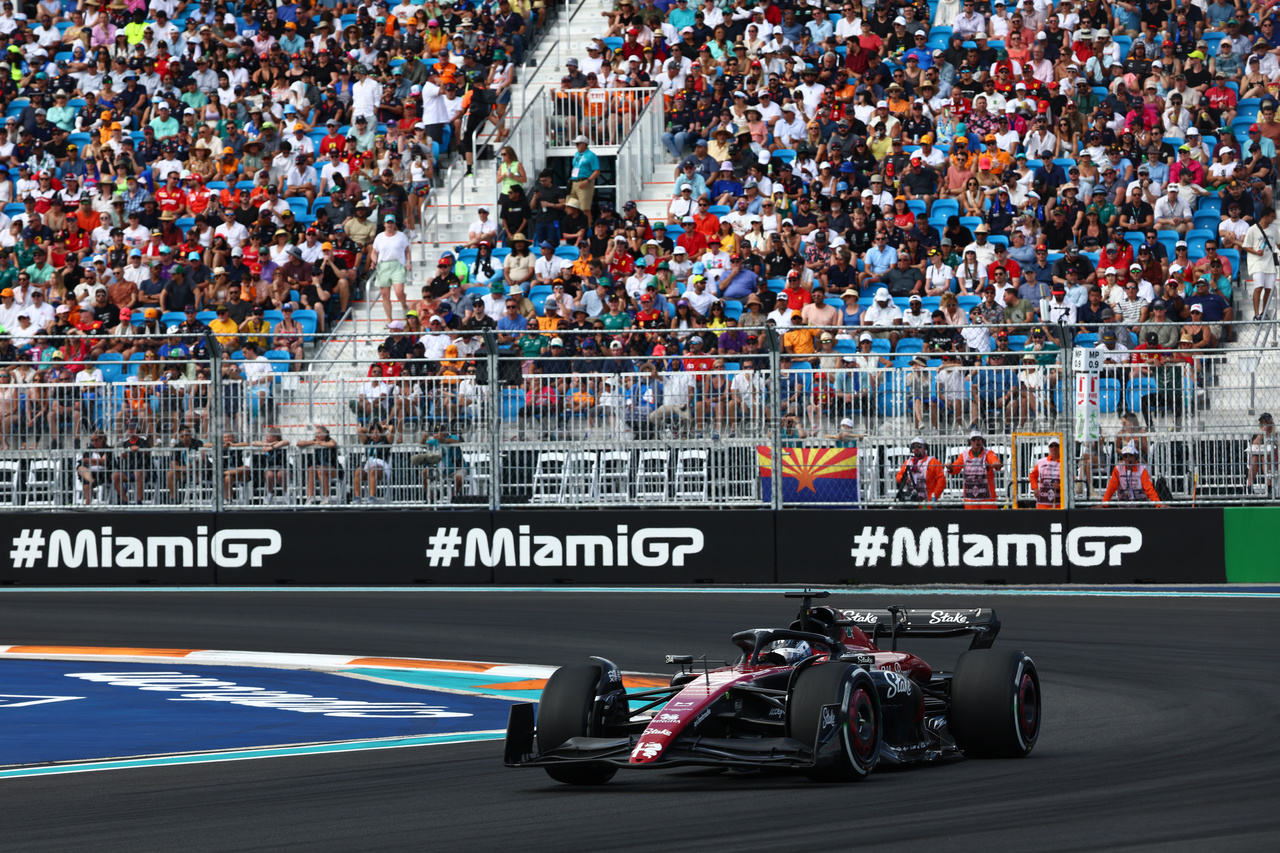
503, 421
527, 137
641, 150
604, 116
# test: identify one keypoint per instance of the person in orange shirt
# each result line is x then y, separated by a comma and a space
705, 222
437, 40
1046, 478
86, 217
228, 165
1131, 480
921, 479
977, 469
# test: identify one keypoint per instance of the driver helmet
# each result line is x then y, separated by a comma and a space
786, 652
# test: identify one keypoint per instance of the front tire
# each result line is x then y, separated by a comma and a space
568, 710
858, 717
995, 704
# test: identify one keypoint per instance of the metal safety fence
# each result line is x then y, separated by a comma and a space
588, 418
604, 116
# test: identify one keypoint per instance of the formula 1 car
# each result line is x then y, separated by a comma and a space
820, 697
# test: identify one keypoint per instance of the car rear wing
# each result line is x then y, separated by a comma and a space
895, 622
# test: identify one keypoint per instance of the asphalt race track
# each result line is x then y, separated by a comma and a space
1159, 734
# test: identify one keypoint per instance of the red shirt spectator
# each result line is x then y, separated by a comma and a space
1220, 97
199, 198
706, 224
171, 199
1196, 169
797, 297
1010, 266
1119, 257
694, 243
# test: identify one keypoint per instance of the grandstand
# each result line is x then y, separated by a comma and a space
975, 158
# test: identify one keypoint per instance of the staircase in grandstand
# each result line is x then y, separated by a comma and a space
446, 215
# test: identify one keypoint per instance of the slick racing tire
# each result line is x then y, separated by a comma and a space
567, 710
995, 704
849, 692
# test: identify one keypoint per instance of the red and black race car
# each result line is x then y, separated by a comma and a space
823, 696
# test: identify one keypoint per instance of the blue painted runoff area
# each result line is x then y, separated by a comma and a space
30, 770
467, 682
75, 711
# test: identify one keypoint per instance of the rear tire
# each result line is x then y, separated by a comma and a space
858, 717
995, 704
568, 710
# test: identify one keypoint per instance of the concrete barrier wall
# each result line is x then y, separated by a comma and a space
534, 547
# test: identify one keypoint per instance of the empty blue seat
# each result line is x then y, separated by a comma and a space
112, 366
306, 318
280, 360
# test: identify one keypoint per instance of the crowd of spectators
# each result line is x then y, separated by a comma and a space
1073, 165
173, 155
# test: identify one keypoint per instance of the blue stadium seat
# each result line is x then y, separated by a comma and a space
719, 209
1108, 395
308, 320
169, 318
1209, 204
1138, 388
279, 359
570, 252
112, 366
945, 206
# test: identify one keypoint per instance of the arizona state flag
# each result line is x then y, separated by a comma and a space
827, 475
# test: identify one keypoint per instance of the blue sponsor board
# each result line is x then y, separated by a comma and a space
63, 711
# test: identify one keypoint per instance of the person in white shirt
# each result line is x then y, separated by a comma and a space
1259, 245
1232, 231
1056, 309
366, 95
789, 129
849, 26
335, 165
810, 92
391, 259
135, 272
593, 61
232, 231
312, 249
435, 344
700, 298
10, 309
482, 229
549, 266
136, 236
1172, 213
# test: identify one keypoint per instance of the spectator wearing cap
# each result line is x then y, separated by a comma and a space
549, 266
483, 228
738, 283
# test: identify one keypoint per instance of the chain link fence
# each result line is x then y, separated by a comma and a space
586, 418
